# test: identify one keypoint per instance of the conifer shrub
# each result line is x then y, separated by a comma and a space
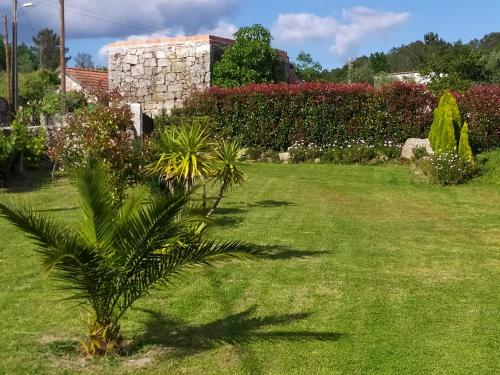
453, 162
447, 125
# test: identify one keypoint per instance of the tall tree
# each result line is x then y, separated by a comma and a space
26, 59
47, 49
250, 60
307, 68
84, 60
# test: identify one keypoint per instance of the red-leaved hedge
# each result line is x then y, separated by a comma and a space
274, 116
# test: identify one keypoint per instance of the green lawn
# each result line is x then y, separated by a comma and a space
369, 271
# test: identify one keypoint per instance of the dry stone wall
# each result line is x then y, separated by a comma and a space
161, 74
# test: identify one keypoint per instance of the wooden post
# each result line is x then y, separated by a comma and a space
63, 51
13, 66
7, 58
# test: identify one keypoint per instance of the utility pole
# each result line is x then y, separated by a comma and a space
7, 58
63, 51
14, 57
349, 71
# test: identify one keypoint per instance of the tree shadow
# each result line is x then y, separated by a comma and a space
31, 180
280, 252
234, 329
271, 203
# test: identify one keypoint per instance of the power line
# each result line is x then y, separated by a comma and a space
106, 18
27, 20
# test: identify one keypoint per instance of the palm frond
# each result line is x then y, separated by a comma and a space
96, 189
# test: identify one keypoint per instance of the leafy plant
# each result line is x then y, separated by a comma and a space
445, 129
228, 153
184, 155
118, 252
105, 131
251, 60
448, 168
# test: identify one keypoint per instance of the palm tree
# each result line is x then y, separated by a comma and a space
228, 152
120, 251
185, 155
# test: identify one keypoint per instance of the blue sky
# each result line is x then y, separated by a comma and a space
331, 31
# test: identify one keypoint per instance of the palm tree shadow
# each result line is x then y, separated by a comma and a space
234, 329
279, 252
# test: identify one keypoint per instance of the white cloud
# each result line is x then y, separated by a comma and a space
121, 18
363, 23
358, 24
223, 29
301, 27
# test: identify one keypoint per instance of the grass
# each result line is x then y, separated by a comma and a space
369, 271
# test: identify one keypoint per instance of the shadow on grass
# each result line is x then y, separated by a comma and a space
279, 252
29, 181
234, 329
268, 203
64, 348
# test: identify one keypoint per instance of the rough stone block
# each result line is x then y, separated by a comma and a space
413, 143
131, 59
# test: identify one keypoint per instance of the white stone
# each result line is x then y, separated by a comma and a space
131, 59
284, 157
413, 143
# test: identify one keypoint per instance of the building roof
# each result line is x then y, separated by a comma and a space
89, 79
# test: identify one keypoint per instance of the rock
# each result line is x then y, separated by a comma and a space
413, 143
317, 160
284, 157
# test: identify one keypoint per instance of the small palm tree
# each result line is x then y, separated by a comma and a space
120, 251
228, 153
185, 155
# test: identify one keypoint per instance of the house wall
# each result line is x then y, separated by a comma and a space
160, 74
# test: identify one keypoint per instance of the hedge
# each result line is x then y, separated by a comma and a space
275, 116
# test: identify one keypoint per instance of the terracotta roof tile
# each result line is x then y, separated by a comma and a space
89, 79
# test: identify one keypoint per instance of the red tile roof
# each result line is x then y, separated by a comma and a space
89, 79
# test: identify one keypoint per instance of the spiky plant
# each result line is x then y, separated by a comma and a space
184, 155
119, 251
228, 153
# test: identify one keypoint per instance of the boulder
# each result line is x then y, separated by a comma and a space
413, 143
284, 157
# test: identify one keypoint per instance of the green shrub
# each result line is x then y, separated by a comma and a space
447, 124
464, 149
448, 168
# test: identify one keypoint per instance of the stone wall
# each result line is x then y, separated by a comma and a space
161, 73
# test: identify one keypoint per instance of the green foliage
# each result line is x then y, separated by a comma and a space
105, 131
183, 155
28, 144
449, 168
306, 68
250, 60
34, 86
84, 60
464, 149
26, 59
47, 49
52, 102
379, 62
446, 126
228, 173
118, 252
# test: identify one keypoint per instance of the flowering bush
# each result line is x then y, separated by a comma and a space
105, 131
300, 152
348, 152
450, 169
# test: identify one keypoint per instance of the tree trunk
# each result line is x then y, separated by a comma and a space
217, 201
204, 196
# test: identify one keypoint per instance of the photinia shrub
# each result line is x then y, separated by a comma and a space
274, 116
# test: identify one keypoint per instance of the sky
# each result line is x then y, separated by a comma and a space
332, 31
